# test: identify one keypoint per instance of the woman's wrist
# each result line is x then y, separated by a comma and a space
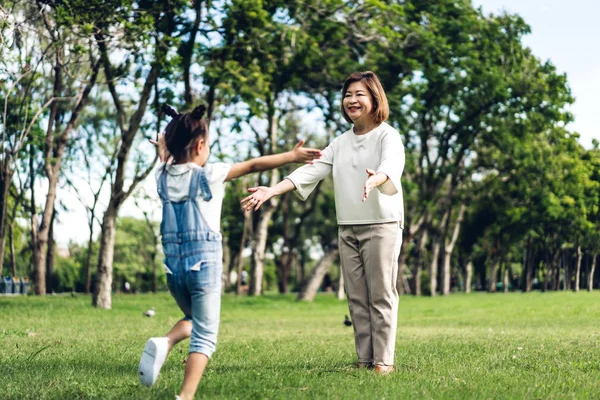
381, 178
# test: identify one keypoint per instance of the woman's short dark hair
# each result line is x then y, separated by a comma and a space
381, 109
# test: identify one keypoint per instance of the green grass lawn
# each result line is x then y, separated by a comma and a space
538, 346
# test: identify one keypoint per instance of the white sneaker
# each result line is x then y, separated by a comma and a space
153, 358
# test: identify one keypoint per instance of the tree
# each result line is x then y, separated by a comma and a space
71, 67
448, 74
270, 52
591, 238
159, 18
24, 95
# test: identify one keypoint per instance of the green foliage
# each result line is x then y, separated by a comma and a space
270, 276
136, 253
67, 274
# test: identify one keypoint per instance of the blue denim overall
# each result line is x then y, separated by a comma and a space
193, 261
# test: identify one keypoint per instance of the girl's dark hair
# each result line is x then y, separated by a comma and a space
184, 131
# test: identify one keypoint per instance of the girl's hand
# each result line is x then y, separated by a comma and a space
163, 153
301, 154
257, 198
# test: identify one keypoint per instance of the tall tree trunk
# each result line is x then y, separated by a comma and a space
567, 272
433, 267
88, 260
41, 245
301, 270
469, 277
312, 284
4, 191
505, 280
186, 51
11, 233
245, 231
268, 208
408, 236
291, 261
493, 276
556, 272
50, 255
128, 132
225, 275
549, 272
419, 263
259, 249
437, 246
341, 290
547, 276
404, 279
285, 260
283, 265
90, 246
578, 268
525, 265
39, 283
104, 277
53, 154
529, 267
449, 248
591, 274
13, 256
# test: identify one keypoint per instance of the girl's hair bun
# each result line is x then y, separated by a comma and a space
198, 112
169, 111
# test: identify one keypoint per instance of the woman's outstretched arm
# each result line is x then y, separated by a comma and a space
261, 194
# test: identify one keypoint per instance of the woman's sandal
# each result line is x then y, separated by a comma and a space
382, 369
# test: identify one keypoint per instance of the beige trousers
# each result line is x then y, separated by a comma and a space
369, 259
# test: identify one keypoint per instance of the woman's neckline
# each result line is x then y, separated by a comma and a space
366, 132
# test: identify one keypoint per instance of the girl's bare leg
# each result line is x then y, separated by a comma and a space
194, 369
180, 331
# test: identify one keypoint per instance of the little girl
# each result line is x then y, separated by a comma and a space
368, 156
191, 191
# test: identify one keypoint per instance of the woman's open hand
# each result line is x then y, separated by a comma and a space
259, 195
373, 180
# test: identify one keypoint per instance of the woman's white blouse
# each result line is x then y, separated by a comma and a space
348, 157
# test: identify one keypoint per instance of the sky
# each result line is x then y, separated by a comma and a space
565, 32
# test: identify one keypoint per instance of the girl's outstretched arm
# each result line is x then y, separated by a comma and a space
161, 145
299, 154
261, 194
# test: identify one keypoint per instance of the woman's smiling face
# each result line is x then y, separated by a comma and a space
358, 103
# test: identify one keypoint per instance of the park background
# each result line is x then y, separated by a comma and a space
501, 184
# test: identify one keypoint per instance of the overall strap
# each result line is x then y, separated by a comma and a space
161, 186
199, 182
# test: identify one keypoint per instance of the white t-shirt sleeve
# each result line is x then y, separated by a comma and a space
211, 210
217, 172
392, 162
159, 171
308, 176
